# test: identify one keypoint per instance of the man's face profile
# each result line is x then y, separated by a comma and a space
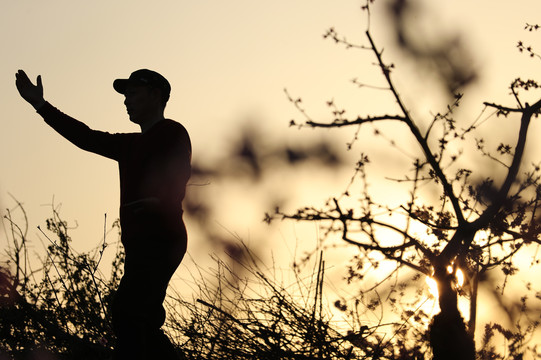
140, 102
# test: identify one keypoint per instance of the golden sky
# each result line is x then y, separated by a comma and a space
227, 61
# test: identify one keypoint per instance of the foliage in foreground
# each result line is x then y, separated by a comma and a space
57, 309
57, 303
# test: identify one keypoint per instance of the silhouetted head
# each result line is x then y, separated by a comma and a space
146, 78
146, 93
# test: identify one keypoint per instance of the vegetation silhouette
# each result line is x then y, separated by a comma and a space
59, 306
59, 310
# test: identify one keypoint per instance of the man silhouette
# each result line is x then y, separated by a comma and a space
154, 167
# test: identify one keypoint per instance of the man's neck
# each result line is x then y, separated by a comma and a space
148, 124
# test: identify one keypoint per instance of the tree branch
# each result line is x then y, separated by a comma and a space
448, 189
358, 121
464, 237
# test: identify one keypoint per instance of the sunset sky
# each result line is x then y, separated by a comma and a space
228, 63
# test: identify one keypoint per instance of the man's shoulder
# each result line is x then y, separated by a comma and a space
174, 126
173, 123
175, 134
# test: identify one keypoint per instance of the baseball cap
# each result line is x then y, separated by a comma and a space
144, 77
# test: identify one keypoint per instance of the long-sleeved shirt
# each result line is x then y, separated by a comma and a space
152, 165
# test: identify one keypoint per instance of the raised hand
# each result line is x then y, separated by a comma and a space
33, 94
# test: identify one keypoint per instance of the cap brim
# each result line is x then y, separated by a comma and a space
120, 85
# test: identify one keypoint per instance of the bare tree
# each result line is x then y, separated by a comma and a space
467, 222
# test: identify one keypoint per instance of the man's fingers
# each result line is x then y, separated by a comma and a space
21, 75
22, 78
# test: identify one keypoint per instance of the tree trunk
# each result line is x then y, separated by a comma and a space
449, 337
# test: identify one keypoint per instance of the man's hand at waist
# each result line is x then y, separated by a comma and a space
143, 205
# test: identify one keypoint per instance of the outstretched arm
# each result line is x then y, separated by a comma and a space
78, 133
33, 94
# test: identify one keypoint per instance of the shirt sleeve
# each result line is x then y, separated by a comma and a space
78, 133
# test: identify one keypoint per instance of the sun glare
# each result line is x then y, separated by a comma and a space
459, 275
433, 284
